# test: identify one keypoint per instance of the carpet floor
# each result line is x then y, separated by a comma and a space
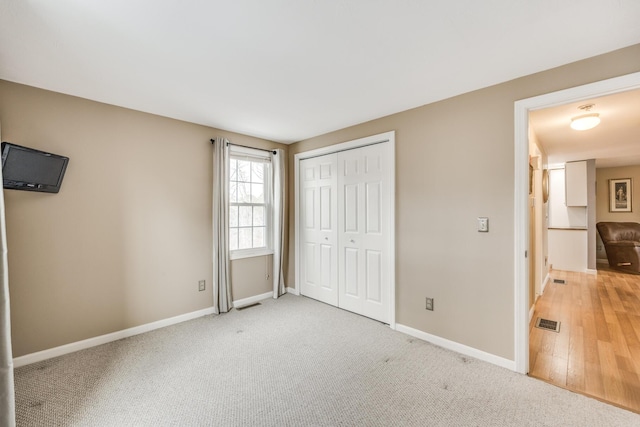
290, 362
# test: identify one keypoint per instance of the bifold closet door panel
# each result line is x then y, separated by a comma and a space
318, 228
364, 229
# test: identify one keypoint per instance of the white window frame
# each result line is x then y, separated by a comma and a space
239, 152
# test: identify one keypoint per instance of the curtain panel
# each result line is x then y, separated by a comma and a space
222, 299
279, 211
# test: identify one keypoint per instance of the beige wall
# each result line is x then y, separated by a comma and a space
129, 235
252, 276
603, 175
454, 162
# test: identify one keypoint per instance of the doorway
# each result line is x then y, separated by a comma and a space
521, 199
590, 344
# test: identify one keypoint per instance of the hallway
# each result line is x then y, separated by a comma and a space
597, 350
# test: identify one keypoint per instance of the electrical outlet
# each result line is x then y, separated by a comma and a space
429, 305
201, 285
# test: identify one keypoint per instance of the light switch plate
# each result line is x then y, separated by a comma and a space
483, 224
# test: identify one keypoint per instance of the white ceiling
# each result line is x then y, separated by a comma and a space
287, 70
614, 142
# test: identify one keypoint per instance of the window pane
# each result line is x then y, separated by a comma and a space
244, 192
233, 216
258, 215
233, 165
258, 237
233, 192
257, 193
257, 172
247, 185
233, 239
245, 216
244, 238
244, 170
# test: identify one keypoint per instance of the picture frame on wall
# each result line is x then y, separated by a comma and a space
620, 195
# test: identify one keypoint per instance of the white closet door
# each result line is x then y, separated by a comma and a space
363, 218
318, 228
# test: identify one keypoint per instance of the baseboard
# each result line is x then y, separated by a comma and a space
103, 339
602, 261
457, 347
544, 283
293, 291
591, 271
252, 300
531, 311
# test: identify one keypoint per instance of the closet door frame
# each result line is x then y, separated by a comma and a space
389, 139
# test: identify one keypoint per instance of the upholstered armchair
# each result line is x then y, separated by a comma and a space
622, 244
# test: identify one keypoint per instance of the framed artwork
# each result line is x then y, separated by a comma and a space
620, 195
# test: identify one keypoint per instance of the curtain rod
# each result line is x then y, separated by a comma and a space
246, 146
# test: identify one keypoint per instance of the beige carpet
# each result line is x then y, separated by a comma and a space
290, 362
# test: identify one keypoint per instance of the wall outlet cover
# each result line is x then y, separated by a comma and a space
429, 304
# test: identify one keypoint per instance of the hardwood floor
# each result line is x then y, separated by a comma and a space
597, 351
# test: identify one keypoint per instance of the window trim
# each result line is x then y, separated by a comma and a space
240, 152
249, 253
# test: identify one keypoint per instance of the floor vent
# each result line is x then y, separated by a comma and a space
248, 306
560, 281
549, 325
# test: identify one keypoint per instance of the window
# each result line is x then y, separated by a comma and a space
249, 205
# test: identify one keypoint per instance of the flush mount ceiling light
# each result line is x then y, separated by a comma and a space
585, 121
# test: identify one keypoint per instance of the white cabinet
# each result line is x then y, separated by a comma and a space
568, 249
576, 183
560, 214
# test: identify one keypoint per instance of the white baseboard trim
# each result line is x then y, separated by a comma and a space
602, 260
39, 356
252, 300
293, 291
591, 271
457, 347
544, 283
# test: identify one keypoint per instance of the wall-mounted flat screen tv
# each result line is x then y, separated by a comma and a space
31, 170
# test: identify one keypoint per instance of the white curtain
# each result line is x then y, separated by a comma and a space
7, 399
279, 182
222, 300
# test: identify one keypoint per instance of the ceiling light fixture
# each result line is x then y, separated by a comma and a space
585, 121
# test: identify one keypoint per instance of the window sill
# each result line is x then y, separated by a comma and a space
249, 253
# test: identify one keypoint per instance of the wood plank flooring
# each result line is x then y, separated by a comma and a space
597, 351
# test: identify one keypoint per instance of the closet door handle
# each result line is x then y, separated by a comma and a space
352, 241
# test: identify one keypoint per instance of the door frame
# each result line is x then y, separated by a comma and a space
390, 139
521, 193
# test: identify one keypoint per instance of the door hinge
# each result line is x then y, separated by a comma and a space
526, 253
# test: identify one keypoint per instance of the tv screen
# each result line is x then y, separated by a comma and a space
31, 170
